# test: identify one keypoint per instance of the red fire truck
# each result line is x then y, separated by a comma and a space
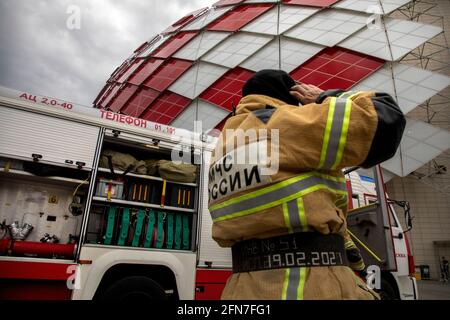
73, 228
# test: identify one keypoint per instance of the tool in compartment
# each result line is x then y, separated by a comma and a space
138, 229
49, 238
18, 233
160, 230
163, 195
150, 227
178, 229
181, 196
110, 225
124, 227
185, 232
139, 192
111, 189
189, 198
76, 206
169, 232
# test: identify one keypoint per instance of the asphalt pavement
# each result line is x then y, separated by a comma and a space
433, 290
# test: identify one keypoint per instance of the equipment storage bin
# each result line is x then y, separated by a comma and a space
41, 209
109, 187
181, 196
96, 226
140, 191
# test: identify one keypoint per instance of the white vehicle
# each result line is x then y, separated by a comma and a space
73, 228
376, 230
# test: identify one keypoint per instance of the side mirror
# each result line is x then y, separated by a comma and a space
406, 208
408, 218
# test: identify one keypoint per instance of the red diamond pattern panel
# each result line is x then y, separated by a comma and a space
166, 108
173, 45
184, 21
102, 94
134, 65
140, 48
223, 3
167, 74
336, 68
118, 72
140, 101
145, 71
228, 89
239, 17
108, 96
313, 3
124, 94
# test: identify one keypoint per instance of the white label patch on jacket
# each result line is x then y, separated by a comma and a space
239, 170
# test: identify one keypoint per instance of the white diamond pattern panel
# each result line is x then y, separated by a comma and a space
404, 36
157, 41
235, 49
200, 45
420, 144
380, 81
371, 6
329, 27
413, 85
208, 114
207, 18
293, 54
289, 17
198, 78
387, 175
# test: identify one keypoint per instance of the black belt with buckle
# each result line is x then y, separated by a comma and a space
305, 249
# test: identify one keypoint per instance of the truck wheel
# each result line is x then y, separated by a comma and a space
134, 289
387, 292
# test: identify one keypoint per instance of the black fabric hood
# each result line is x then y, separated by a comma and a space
272, 83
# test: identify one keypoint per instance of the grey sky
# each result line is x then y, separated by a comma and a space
39, 54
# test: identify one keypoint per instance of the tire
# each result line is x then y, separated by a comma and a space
387, 292
134, 289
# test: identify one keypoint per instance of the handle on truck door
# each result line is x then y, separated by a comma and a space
36, 157
80, 164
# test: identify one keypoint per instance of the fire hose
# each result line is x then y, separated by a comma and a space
13, 247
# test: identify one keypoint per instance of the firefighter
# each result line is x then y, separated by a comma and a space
284, 215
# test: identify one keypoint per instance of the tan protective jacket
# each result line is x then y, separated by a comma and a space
307, 193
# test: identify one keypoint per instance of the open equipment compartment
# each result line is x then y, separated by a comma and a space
133, 206
45, 172
41, 209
